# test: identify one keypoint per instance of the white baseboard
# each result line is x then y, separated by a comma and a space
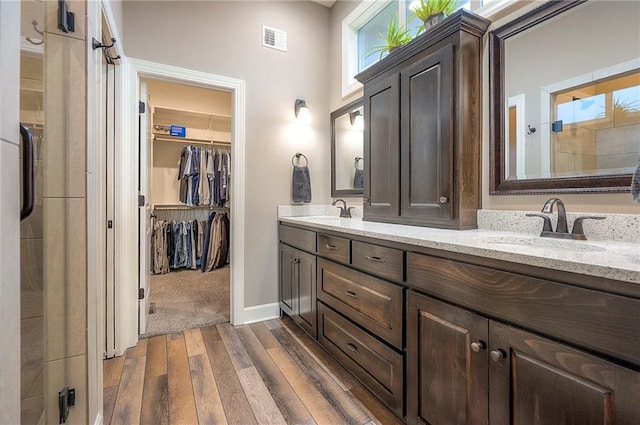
260, 313
98, 419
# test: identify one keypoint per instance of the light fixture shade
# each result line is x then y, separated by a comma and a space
300, 105
354, 115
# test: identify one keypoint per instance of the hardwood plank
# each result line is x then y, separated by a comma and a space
273, 324
266, 338
182, 407
208, 402
350, 410
140, 350
155, 401
234, 401
108, 403
210, 332
320, 409
289, 404
377, 409
112, 371
263, 406
156, 357
129, 398
195, 345
345, 379
237, 353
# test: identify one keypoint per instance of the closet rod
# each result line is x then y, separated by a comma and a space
190, 207
158, 138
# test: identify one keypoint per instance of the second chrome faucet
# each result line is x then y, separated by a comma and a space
562, 229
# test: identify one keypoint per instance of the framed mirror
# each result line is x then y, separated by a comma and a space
347, 146
565, 98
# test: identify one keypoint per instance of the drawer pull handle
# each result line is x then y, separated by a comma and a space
332, 247
478, 346
352, 347
497, 355
376, 259
351, 294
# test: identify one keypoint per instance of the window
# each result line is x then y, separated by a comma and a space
361, 31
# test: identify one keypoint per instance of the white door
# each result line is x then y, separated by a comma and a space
144, 207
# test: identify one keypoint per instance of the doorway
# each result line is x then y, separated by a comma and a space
186, 156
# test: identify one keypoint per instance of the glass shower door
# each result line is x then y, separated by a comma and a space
31, 235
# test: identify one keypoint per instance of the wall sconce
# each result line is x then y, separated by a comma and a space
301, 110
357, 120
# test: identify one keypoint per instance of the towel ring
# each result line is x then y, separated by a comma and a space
355, 163
297, 156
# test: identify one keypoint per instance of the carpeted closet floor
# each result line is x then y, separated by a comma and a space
186, 299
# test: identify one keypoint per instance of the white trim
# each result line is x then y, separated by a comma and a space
519, 102
98, 420
493, 8
143, 69
260, 313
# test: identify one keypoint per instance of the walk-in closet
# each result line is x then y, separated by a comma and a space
190, 186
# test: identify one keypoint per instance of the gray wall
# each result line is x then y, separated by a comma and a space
224, 38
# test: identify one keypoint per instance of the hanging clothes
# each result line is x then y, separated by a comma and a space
204, 176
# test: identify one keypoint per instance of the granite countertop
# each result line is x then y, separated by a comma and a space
613, 260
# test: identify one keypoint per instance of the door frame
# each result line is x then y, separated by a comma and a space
126, 244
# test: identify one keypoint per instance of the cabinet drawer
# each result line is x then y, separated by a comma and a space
379, 260
334, 247
299, 238
378, 366
372, 303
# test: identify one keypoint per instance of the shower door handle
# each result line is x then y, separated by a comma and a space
28, 178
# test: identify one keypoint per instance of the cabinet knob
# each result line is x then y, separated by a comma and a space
478, 346
444, 199
497, 355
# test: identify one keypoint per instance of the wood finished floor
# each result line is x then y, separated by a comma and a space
264, 373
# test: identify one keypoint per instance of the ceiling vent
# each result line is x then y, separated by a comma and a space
276, 39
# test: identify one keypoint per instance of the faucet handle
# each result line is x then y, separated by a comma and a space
577, 224
546, 225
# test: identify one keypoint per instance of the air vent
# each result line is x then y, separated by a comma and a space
276, 39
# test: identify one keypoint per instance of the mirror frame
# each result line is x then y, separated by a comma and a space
498, 184
334, 115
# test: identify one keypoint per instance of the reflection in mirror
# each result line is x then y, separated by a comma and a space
565, 117
347, 162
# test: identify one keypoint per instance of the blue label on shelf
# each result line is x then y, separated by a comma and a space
179, 131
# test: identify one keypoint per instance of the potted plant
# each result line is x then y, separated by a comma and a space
430, 12
396, 36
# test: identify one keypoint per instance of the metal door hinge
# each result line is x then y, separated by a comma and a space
109, 224
141, 201
141, 107
141, 293
66, 399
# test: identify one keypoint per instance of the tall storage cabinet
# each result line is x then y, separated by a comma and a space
422, 137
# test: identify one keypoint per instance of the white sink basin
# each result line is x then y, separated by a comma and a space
540, 242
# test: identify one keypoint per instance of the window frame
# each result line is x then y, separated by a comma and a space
363, 13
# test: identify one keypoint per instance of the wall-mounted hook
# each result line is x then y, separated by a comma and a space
35, 27
95, 44
530, 130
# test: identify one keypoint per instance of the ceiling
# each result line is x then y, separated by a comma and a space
327, 3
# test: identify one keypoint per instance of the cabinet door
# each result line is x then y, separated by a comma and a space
382, 149
427, 138
538, 381
306, 293
288, 290
446, 364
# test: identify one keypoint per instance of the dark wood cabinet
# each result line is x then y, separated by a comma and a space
447, 373
463, 368
423, 102
534, 380
298, 287
382, 149
297, 276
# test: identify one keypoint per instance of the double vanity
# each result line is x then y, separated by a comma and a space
477, 326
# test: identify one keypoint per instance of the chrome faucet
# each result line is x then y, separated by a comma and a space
344, 211
562, 230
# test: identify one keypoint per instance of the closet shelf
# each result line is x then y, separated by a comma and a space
188, 207
190, 140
